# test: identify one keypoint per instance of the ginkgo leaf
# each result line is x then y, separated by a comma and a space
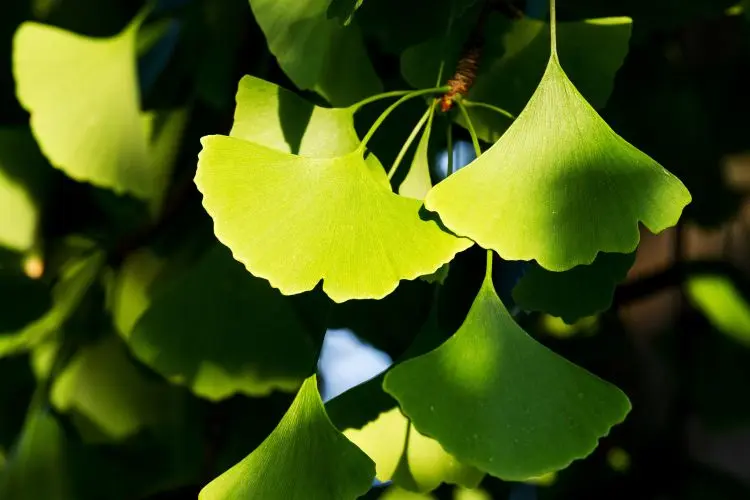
304, 458
237, 334
514, 59
274, 117
23, 177
560, 185
576, 293
371, 419
37, 467
317, 52
296, 221
417, 182
496, 399
82, 94
102, 384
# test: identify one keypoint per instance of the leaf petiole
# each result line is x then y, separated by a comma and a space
409, 140
392, 107
379, 97
501, 111
470, 126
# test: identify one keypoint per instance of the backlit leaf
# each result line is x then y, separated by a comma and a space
573, 294
317, 52
296, 221
559, 186
417, 182
496, 399
304, 446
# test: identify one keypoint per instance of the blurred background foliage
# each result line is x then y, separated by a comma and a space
125, 367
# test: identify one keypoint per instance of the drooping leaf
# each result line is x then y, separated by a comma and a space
417, 182
576, 293
496, 399
83, 97
274, 117
304, 446
514, 59
23, 178
76, 276
559, 186
103, 385
722, 303
317, 52
37, 467
236, 333
344, 10
341, 222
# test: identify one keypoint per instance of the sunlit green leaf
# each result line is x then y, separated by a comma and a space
23, 176
724, 306
102, 384
417, 182
236, 333
274, 117
296, 221
471, 494
83, 97
36, 468
317, 52
396, 493
496, 399
304, 446
559, 186
573, 294
514, 59
75, 279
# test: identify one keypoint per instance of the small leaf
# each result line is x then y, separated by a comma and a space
560, 186
573, 294
103, 385
237, 334
37, 467
296, 221
315, 51
24, 175
724, 306
274, 117
417, 182
304, 446
396, 493
496, 399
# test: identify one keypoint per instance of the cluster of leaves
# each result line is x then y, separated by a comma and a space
152, 307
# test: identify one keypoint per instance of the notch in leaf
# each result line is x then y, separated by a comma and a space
304, 458
560, 185
495, 398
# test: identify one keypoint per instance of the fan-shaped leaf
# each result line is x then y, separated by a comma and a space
559, 186
496, 399
304, 446
237, 334
317, 52
573, 294
417, 182
296, 221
